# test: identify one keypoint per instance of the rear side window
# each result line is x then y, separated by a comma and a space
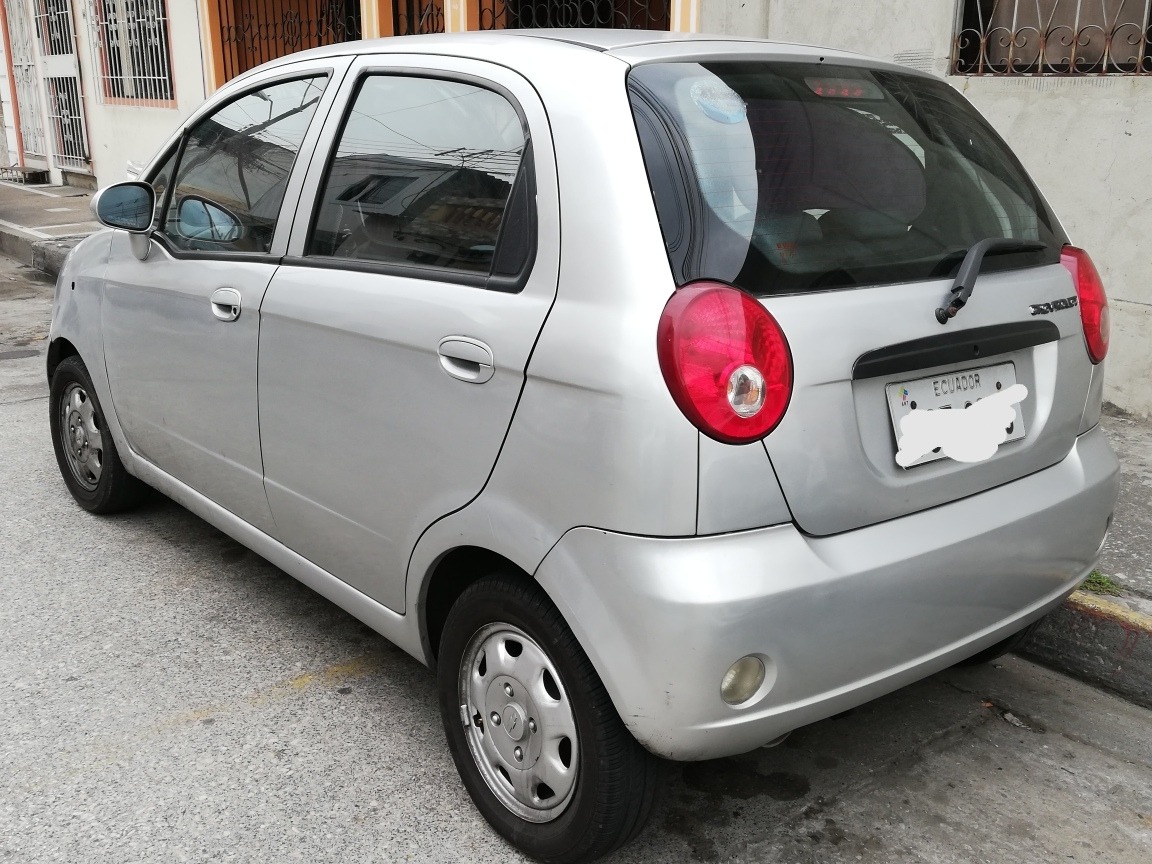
423, 175
784, 177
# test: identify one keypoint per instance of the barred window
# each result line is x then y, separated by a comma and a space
1054, 37
133, 58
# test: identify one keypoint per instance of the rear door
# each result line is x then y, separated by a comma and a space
395, 336
846, 197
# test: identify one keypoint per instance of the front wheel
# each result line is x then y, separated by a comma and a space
534, 735
85, 452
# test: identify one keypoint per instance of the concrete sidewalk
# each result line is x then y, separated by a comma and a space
40, 224
1105, 640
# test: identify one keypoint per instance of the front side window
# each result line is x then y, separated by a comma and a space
786, 177
422, 175
234, 169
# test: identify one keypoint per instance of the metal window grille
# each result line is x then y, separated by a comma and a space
620, 14
132, 56
54, 27
65, 113
417, 16
1054, 37
255, 31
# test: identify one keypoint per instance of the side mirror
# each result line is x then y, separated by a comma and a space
200, 219
129, 206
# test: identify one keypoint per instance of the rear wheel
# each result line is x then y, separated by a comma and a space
534, 735
85, 452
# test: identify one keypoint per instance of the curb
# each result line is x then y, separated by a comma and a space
1102, 642
45, 255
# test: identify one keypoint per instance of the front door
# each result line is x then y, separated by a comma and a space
394, 341
181, 328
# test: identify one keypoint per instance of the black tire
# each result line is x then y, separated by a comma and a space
615, 779
85, 452
1002, 647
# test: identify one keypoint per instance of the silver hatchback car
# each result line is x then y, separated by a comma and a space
663, 394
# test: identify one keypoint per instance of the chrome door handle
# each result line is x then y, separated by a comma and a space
226, 304
467, 359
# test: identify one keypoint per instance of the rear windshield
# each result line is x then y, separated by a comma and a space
787, 177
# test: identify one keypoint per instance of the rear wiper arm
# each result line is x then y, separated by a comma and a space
970, 268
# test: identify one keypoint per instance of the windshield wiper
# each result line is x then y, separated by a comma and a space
970, 268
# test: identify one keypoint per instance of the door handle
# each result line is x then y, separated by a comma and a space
226, 304
467, 359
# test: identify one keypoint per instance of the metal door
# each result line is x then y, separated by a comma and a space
21, 33
56, 40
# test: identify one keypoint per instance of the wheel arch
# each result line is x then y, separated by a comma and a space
448, 577
59, 350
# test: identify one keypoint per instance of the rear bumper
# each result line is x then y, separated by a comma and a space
842, 619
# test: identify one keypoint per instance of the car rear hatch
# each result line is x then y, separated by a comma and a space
845, 198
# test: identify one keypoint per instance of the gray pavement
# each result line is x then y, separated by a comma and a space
46, 212
167, 695
1127, 557
25, 306
40, 224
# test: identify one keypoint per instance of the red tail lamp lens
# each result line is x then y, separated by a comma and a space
1092, 300
725, 361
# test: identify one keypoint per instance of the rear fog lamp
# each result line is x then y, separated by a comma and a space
743, 680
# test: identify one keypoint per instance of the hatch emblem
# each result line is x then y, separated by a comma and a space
1053, 306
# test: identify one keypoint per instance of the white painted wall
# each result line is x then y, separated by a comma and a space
1084, 140
119, 133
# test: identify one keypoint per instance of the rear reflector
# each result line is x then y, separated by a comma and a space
725, 361
1092, 300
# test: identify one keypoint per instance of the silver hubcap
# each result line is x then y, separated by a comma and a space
518, 722
80, 437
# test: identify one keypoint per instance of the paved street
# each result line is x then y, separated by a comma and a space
165, 695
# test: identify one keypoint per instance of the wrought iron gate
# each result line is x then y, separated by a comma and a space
62, 81
410, 17
621, 14
22, 35
255, 31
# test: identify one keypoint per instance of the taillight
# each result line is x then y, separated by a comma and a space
1092, 300
726, 362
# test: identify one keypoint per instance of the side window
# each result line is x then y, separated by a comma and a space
422, 175
235, 166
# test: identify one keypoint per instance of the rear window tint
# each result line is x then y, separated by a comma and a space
785, 177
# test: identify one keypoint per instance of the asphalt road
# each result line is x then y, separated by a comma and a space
165, 695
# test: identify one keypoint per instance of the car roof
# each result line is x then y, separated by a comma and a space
617, 42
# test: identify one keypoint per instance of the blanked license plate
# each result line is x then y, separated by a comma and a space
954, 391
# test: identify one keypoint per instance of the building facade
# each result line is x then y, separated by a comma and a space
91, 87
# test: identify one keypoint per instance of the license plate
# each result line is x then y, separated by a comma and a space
953, 391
